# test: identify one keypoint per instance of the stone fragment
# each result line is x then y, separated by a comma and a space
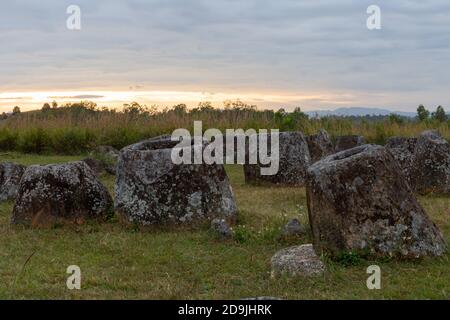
298, 261
293, 228
221, 228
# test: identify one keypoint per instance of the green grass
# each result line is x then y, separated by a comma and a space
80, 127
29, 159
118, 262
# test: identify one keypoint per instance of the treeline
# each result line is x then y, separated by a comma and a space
79, 127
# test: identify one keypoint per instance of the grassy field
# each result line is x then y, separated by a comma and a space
78, 128
119, 262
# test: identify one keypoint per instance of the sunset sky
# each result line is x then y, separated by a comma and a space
317, 54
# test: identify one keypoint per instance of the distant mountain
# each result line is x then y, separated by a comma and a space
358, 112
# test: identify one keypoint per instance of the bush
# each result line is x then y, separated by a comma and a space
8, 139
121, 137
35, 140
242, 234
349, 259
76, 128
72, 141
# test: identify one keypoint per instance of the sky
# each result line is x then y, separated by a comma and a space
313, 54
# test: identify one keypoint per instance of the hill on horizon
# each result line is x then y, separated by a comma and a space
359, 111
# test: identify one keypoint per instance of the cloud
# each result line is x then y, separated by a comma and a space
15, 98
85, 96
229, 45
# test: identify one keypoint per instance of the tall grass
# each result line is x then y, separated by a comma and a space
76, 129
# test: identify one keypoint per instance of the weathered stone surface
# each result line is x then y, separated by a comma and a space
294, 159
221, 228
111, 169
151, 189
319, 145
160, 142
359, 201
293, 228
53, 194
95, 165
297, 261
10, 174
430, 168
348, 142
402, 148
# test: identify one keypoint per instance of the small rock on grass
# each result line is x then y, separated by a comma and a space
221, 228
297, 261
293, 228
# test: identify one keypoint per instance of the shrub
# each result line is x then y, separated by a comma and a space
72, 141
121, 137
349, 259
242, 234
34, 140
8, 139
78, 127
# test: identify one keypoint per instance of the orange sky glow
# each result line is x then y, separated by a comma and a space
116, 99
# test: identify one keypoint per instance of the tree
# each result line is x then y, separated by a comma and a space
422, 113
439, 115
3, 116
395, 118
180, 109
54, 104
45, 107
299, 114
135, 109
279, 115
205, 106
238, 105
89, 105
16, 110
